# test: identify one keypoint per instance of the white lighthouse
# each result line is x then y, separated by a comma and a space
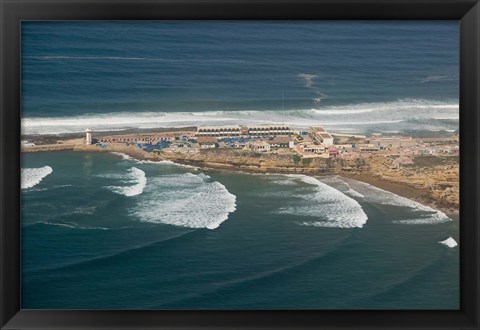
88, 136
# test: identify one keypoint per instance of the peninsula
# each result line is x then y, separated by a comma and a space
425, 169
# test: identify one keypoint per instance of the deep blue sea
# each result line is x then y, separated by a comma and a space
100, 230
345, 75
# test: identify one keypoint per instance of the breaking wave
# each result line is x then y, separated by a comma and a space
121, 154
377, 116
186, 200
330, 206
30, 177
450, 242
136, 176
422, 214
168, 162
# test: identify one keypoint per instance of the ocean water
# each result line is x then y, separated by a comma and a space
355, 76
100, 230
103, 231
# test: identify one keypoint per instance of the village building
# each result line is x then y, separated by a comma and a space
321, 136
428, 151
369, 149
269, 130
261, 146
208, 145
219, 131
88, 136
281, 142
27, 144
449, 150
313, 149
250, 130
393, 141
207, 142
333, 152
350, 155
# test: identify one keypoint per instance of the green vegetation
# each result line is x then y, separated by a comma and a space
429, 161
296, 160
359, 162
306, 161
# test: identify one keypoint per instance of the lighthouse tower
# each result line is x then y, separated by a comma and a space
88, 136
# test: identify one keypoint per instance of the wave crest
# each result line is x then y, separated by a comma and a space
332, 207
186, 200
30, 177
367, 115
422, 214
135, 175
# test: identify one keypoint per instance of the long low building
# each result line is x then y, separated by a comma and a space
269, 129
393, 141
250, 130
219, 131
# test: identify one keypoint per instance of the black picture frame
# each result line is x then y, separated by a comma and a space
467, 12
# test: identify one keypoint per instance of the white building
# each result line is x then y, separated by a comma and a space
261, 146
321, 136
269, 130
27, 144
313, 149
219, 131
88, 136
393, 141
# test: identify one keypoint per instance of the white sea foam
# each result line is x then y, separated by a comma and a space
341, 185
124, 156
331, 207
285, 182
168, 162
30, 177
422, 214
121, 154
185, 200
450, 242
337, 118
308, 79
435, 78
135, 176
83, 210
354, 193
117, 176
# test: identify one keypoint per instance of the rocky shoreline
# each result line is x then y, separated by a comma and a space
432, 180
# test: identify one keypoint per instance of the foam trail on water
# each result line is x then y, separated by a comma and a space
186, 200
72, 225
30, 177
140, 181
330, 206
